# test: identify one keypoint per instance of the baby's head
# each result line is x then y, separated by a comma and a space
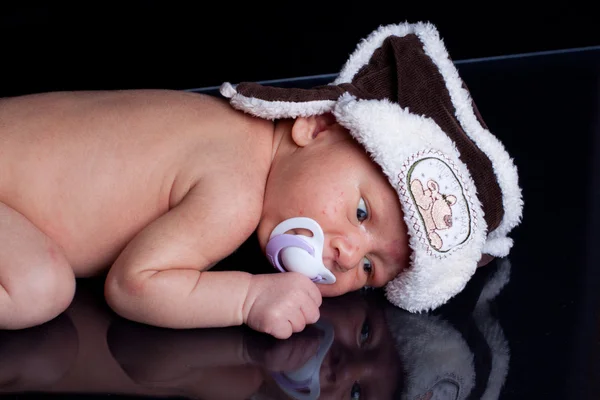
319, 171
395, 164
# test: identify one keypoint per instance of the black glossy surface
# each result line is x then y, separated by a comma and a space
546, 320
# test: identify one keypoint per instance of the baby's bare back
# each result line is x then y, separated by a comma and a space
92, 169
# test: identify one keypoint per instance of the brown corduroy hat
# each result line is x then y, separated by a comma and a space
401, 97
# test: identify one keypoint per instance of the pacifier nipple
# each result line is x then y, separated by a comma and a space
299, 253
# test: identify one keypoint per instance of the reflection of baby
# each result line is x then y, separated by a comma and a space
152, 188
377, 350
240, 364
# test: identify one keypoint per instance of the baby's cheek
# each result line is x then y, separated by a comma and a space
329, 210
340, 287
329, 290
331, 204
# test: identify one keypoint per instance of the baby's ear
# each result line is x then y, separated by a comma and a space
306, 129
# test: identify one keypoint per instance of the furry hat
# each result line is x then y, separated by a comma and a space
401, 97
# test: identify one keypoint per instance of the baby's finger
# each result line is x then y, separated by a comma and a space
282, 331
311, 313
297, 321
315, 294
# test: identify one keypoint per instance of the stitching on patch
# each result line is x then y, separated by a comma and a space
412, 212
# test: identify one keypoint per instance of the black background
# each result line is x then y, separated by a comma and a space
549, 312
145, 44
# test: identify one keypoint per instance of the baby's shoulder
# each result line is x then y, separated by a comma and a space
229, 157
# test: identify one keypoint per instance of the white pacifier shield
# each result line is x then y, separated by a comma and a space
299, 260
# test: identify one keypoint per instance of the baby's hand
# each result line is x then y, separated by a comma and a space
281, 304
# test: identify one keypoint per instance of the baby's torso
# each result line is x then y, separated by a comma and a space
93, 169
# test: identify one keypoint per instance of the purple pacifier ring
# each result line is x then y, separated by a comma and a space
280, 242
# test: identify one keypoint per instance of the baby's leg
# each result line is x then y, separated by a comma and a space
36, 281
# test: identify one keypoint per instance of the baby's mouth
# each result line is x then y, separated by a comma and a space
332, 265
300, 231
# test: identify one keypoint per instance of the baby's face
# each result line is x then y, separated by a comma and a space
331, 179
363, 359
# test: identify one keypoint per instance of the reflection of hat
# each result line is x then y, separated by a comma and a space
438, 359
401, 97
492, 332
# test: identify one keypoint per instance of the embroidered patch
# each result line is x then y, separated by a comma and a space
444, 214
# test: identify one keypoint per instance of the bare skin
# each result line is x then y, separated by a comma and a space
156, 187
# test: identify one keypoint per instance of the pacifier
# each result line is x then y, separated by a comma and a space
304, 383
299, 253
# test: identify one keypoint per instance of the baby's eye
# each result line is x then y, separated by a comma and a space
367, 265
361, 211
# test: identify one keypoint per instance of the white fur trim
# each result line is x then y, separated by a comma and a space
431, 351
227, 90
280, 109
365, 49
497, 247
391, 139
504, 168
274, 109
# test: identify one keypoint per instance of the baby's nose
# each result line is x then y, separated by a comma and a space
346, 252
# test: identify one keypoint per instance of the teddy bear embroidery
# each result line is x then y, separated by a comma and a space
437, 202
435, 209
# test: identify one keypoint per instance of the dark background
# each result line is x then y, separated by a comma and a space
146, 44
550, 310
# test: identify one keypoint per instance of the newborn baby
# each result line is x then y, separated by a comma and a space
396, 178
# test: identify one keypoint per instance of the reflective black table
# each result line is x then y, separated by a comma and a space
526, 327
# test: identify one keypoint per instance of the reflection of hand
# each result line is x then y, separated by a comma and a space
35, 358
281, 304
283, 355
199, 363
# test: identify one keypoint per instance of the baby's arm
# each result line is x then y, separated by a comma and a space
161, 279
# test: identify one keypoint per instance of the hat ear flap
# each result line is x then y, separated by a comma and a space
271, 102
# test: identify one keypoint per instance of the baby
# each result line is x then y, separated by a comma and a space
387, 177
